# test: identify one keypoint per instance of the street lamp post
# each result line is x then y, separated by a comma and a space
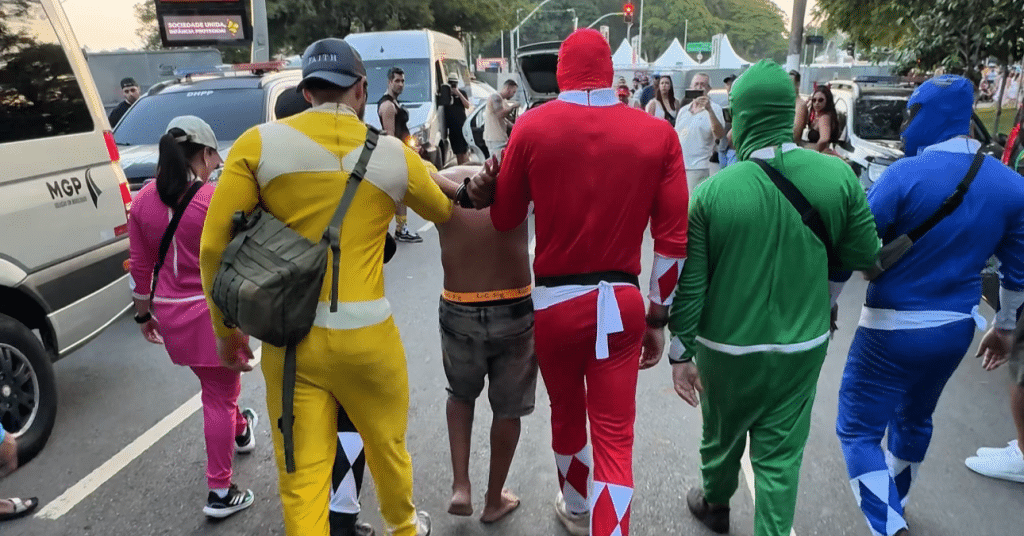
640, 33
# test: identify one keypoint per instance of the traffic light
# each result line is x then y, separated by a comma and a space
627, 11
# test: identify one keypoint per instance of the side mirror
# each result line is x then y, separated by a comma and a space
444, 95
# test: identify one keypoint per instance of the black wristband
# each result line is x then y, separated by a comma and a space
656, 323
680, 361
142, 319
462, 196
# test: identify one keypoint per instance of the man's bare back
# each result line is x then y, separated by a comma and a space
474, 255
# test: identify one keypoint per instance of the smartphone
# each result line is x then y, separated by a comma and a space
727, 115
691, 94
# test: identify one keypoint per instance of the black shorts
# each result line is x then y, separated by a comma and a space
458, 141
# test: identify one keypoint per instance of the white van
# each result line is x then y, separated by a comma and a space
427, 58
63, 222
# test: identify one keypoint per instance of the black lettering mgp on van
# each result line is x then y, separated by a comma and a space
64, 187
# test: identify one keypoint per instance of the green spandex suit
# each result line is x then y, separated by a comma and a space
752, 303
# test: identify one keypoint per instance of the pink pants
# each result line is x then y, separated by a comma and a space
582, 387
222, 421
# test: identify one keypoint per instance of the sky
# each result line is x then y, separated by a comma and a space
111, 24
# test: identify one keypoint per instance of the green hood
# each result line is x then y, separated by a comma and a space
763, 104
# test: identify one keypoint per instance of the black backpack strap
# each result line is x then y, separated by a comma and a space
808, 213
334, 229
951, 202
333, 232
165, 242
287, 420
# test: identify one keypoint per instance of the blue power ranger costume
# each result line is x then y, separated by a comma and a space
920, 315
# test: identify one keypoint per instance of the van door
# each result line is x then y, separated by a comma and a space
63, 190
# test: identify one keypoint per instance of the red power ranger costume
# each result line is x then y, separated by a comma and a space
597, 172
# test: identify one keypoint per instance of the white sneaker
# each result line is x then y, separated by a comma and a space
576, 524
1010, 448
246, 443
1008, 467
422, 523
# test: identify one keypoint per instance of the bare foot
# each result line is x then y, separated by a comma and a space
509, 502
461, 503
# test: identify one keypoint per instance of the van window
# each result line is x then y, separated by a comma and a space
457, 67
417, 79
39, 93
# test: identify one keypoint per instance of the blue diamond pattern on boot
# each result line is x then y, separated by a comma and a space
876, 510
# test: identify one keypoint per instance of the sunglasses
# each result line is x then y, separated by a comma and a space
822, 99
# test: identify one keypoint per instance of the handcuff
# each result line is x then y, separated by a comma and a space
462, 195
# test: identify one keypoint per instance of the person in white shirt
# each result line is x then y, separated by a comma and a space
698, 126
496, 117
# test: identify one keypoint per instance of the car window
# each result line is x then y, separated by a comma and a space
417, 79
39, 93
230, 112
879, 118
843, 114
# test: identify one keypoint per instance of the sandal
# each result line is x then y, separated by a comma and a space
22, 508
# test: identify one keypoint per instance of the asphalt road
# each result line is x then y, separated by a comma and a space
119, 386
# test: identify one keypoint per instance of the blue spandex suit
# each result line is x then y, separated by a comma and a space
920, 315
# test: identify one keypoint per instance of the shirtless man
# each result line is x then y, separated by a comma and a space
486, 319
800, 119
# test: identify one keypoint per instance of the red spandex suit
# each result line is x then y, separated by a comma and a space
597, 172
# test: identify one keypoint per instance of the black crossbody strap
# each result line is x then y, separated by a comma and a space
951, 202
334, 229
808, 213
165, 242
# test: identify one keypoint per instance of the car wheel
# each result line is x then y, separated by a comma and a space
28, 392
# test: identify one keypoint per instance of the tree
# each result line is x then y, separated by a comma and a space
148, 31
871, 22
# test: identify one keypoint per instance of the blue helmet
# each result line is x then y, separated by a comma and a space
938, 110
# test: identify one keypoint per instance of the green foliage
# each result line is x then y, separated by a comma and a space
148, 31
871, 22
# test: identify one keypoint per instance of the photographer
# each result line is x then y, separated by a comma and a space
455, 118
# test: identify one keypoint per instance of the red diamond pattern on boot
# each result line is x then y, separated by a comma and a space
610, 509
577, 476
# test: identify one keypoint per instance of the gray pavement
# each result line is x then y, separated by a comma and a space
119, 386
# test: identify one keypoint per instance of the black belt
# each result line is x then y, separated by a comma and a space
588, 279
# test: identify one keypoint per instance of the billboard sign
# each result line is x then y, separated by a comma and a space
189, 23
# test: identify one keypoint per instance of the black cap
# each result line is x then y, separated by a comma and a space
729, 78
128, 82
332, 60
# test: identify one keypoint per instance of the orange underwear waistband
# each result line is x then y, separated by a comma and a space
490, 295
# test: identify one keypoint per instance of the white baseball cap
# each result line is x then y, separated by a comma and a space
196, 131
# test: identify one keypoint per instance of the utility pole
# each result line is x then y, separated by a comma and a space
260, 34
796, 35
640, 33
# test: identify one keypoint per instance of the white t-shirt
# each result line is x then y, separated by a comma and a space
494, 125
696, 136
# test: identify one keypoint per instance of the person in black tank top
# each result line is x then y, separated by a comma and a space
394, 120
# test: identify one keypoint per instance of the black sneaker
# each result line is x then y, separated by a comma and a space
246, 443
405, 235
235, 501
715, 518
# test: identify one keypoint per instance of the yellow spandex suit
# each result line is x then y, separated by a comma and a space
297, 169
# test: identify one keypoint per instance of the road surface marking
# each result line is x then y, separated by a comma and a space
748, 475
425, 228
85, 487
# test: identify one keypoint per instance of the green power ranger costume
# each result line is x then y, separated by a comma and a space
753, 300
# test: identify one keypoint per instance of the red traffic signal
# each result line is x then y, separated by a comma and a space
628, 11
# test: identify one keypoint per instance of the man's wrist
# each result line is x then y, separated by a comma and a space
143, 318
656, 321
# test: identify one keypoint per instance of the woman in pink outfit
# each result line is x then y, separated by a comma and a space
177, 315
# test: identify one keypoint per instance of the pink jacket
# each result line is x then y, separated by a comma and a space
179, 304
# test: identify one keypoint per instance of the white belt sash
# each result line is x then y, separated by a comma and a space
609, 316
352, 315
893, 320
